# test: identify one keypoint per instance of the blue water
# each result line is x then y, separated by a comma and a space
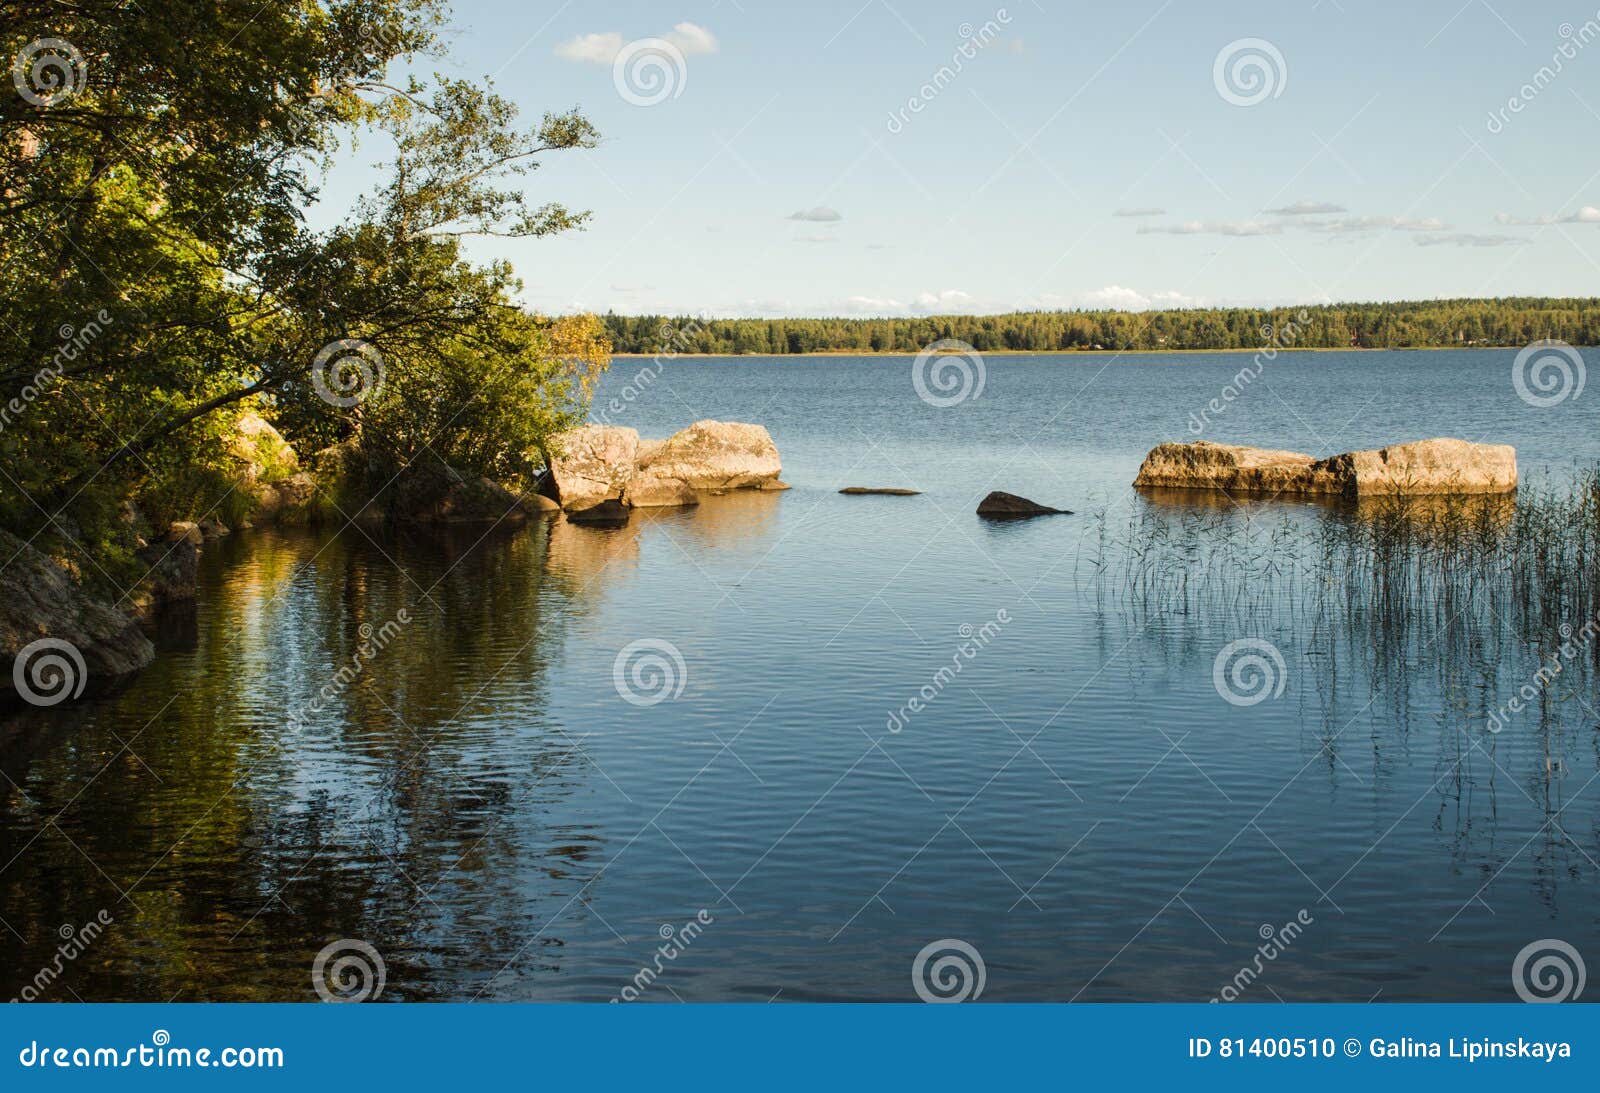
1078, 803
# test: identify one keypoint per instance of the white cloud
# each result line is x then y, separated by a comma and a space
690, 38
1119, 298
950, 299
819, 215
1586, 215
870, 305
1307, 208
1214, 227
1350, 224
814, 238
602, 48
1141, 210
1467, 239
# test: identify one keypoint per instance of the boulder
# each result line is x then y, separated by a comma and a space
596, 463
288, 500
716, 455
591, 464
648, 491
1443, 466
268, 472
1425, 467
610, 514
261, 448
875, 491
41, 603
1231, 467
171, 571
1008, 506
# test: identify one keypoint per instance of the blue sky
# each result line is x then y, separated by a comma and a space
1373, 141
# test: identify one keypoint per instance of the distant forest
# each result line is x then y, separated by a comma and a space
1422, 324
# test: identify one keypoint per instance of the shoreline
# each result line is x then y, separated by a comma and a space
1085, 352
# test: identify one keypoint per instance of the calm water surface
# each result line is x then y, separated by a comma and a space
483, 806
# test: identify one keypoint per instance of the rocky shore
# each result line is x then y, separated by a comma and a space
55, 634
59, 641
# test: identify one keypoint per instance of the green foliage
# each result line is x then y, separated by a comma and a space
1429, 323
157, 274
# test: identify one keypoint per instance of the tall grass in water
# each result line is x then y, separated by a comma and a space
1526, 564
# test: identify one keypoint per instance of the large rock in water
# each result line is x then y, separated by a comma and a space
1208, 466
715, 455
593, 464
1008, 506
1424, 467
41, 606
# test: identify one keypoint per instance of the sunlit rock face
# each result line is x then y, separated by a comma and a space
1425, 467
597, 463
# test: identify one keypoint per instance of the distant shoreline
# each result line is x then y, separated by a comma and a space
1092, 352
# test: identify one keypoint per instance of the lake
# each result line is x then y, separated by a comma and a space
799, 740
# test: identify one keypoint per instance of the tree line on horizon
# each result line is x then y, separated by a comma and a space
1408, 325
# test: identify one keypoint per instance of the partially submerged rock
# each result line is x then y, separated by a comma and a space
45, 614
172, 571
1008, 506
1425, 467
715, 456
593, 464
878, 491
610, 514
1204, 465
648, 491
